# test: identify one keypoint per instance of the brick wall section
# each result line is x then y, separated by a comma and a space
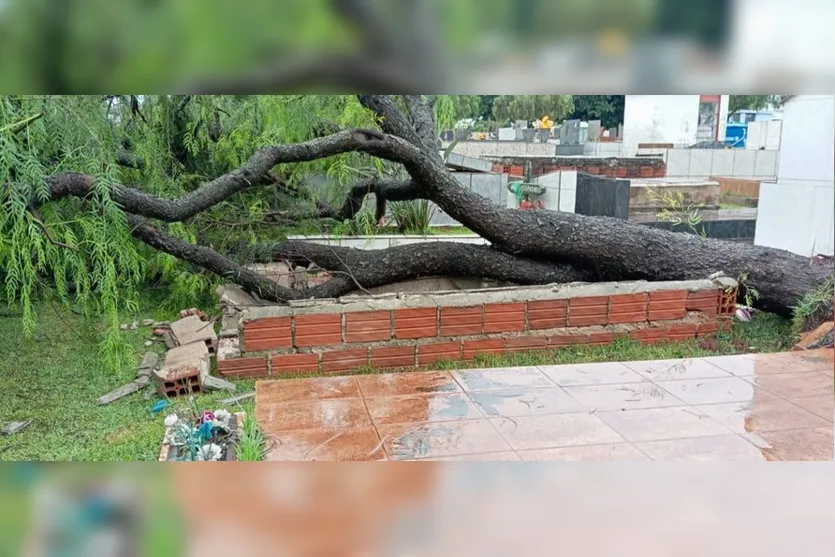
601, 166
403, 338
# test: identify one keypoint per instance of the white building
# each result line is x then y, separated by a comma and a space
797, 213
678, 119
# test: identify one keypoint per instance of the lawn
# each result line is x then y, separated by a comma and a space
55, 378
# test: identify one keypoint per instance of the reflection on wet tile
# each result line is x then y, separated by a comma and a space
394, 384
411, 441
800, 444
707, 391
823, 359
591, 374
313, 414
501, 378
662, 423
823, 406
439, 407
794, 385
313, 388
507, 456
771, 414
326, 444
623, 397
564, 430
667, 370
611, 452
764, 364
723, 448
526, 402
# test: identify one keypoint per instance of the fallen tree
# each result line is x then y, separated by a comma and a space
526, 247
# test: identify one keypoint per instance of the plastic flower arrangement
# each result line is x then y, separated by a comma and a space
199, 439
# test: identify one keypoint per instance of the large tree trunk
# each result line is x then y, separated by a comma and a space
622, 250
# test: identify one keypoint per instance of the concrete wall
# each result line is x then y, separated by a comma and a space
796, 213
807, 145
703, 163
659, 119
764, 135
797, 217
603, 149
478, 149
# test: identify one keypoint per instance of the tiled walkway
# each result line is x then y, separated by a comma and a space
750, 407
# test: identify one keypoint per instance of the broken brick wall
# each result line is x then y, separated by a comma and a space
602, 166
406, 331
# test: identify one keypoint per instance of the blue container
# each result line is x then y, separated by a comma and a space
735, 135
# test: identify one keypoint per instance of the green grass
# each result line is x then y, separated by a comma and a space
54, 379
251, 443
806, 314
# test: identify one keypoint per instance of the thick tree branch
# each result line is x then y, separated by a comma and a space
423, 121
253, 173
210, 260
392, 120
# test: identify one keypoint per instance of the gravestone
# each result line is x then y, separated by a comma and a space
598, 196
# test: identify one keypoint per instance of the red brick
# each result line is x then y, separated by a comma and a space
593, 170
266, 334
486, 346
621, 172
459, 321
628, 308
393, 356
344, 360
416, 323
649, 336
665, 315
289, 364
504, 318
683, 331
242, 367
600, 338
630, 317
587, 320
589, 301
667, 295
707, 328
667, 305
367, 326
547, 314
431, 353
318, 330
622, 299
725, 324
557, 341
525, 344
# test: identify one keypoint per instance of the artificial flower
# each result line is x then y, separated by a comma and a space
208, 453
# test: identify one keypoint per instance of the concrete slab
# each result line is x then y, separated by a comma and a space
192, 329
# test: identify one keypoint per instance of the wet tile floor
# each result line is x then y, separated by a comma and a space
729, 408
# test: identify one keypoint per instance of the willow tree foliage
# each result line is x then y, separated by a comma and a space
80, 252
